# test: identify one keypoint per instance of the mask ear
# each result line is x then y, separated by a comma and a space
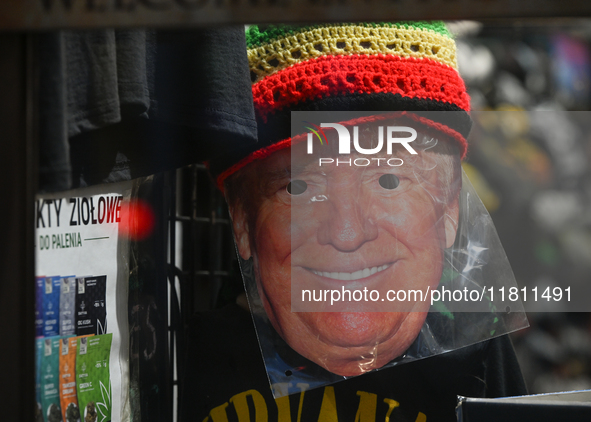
452, 215
240, 228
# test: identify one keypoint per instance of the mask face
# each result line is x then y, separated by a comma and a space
346, 249
347, 232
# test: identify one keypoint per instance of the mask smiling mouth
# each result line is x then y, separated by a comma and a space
357, 275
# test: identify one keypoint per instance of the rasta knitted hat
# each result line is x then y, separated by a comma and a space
407, 66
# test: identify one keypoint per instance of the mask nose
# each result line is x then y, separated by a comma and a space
347, 223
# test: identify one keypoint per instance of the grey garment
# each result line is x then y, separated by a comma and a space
54, 151
88, 80
150, 100
107, 77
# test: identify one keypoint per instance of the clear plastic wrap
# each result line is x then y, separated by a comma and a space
364, 246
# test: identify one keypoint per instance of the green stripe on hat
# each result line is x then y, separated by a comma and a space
256, 37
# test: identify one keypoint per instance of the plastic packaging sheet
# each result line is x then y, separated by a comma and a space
364, 246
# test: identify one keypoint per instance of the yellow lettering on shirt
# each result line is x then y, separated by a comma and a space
283, 409
241, 406
303, 387
218, 414
366, 410
368, 402
328, 408
392, 404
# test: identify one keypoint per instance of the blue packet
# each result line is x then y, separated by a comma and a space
51, 306
39, 285
67, 325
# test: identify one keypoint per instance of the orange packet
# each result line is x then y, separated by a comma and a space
67, 384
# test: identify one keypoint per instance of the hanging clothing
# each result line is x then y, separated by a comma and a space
118, 104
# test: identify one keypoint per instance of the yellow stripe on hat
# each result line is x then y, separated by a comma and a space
350, 39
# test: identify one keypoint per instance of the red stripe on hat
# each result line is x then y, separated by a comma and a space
333, 75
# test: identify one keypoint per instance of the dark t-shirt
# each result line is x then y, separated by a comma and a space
117, 104
224, 379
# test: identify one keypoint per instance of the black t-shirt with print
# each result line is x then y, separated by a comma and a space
224, 379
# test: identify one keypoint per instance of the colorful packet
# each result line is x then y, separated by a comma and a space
51, 306
50, 398
91, 311
38, 354
93, 378
68, 393
39, 286
67, 306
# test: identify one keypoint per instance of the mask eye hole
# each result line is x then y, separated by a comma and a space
297, 187
389, 181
